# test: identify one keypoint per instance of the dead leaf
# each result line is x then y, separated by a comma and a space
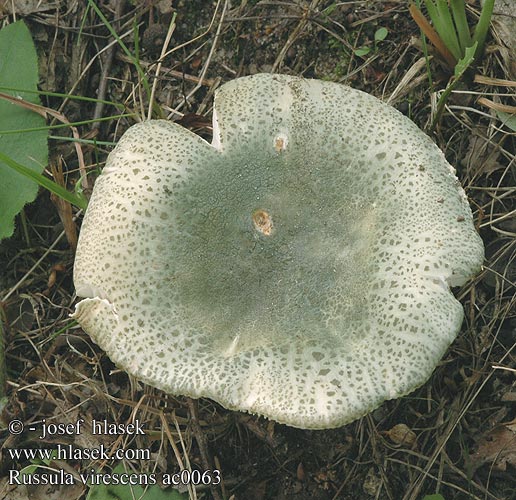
25, 7
497, 447
55, 492
12, 491
504, 23
300, 472
401, 435
511, 425
481, 157
509, 397
372, 482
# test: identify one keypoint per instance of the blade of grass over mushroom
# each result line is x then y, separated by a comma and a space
43, 181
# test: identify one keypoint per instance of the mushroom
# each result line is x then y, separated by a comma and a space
298, 267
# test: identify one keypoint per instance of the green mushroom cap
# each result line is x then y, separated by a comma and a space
298, 267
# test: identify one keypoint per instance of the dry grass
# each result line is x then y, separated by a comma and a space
459, 430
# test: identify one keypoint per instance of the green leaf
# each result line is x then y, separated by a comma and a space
437, 496
466, 61
508, 119
128, 492
100, 492
460, 69
381, 34
362, 51
446, 29
18, 63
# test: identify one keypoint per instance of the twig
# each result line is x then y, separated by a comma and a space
210, 55
172, 72
486, 80
35, 266
90, 63
294, 35
504, 108
110, 53
171, 28
164, 423
64, 208
201, 441
415, 488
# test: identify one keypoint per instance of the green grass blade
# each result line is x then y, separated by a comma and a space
52, 186
64, 125
425, 52
458, 9
61, 95
136, 38
432, 12
460, 69
482, 27
120, 42
466, 61
81, 141
509, 120
83, 23
446, 29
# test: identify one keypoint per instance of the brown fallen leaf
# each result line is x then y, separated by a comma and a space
401, 435
481, 156
504, 31
511, 425
497, 447
25, 7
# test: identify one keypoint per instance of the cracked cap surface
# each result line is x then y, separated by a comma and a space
298, 267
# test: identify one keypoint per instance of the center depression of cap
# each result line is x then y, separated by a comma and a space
280, 273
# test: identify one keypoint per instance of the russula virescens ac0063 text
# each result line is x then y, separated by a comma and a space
297, 267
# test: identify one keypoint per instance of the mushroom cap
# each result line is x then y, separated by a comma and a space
298, 267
